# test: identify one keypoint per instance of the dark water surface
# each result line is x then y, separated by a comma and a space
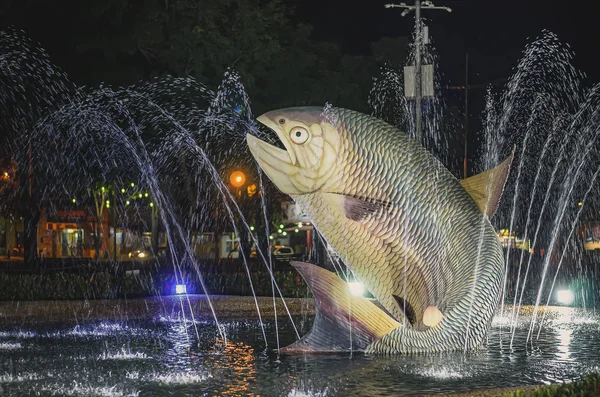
163, 357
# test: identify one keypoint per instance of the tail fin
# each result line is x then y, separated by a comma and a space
343, 322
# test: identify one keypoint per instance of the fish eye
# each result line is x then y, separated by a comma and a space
299, 135
281, 121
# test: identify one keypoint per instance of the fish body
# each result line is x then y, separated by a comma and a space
403, 224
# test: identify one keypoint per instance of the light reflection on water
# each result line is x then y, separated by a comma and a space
164, 356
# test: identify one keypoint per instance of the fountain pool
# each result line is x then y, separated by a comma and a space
164, 356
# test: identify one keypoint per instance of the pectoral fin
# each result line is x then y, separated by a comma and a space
486, 188
359, 208
343, 322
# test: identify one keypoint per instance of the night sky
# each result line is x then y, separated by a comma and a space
494, 33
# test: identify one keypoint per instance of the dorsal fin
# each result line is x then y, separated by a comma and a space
343, 322
486, 188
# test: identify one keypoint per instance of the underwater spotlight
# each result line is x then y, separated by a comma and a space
356, 288
565, 297
180, 289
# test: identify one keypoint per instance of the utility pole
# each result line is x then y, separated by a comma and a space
418, 43
418, 71
466, 112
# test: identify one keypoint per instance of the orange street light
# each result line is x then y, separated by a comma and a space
237, 179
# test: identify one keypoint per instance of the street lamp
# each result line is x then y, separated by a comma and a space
237, 179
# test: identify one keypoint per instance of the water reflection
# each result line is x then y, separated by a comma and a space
168, 357
236, 362
564, 340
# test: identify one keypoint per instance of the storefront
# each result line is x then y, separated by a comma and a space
72, 233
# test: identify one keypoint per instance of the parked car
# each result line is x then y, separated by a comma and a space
279, 252
139, 254
283, 252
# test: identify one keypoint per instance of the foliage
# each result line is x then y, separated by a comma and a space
122, 42
586, 387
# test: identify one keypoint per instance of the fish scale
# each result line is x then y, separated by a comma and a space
420, 236
423, 170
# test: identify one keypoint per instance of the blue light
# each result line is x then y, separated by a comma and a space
238, 109
180, 289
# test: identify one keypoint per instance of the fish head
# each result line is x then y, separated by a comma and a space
311, 143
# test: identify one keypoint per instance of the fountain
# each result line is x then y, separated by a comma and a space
94, 142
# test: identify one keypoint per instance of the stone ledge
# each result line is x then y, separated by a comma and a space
28, 312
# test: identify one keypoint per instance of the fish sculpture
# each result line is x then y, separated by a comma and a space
418, 239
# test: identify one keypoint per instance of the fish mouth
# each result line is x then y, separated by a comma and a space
278, 164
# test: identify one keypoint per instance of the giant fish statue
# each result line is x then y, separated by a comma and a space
417, 238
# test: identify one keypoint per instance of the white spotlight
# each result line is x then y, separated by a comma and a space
565, 297
356, 288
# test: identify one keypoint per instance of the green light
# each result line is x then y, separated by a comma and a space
140, 195
279, 230
296, 230
151, 204
251, 227
107, 205
270, 237
284, 233
107, 202
74, 201
132, 184
281, 226
102, 188
299, 224
127, 202
122, 190
145, 194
